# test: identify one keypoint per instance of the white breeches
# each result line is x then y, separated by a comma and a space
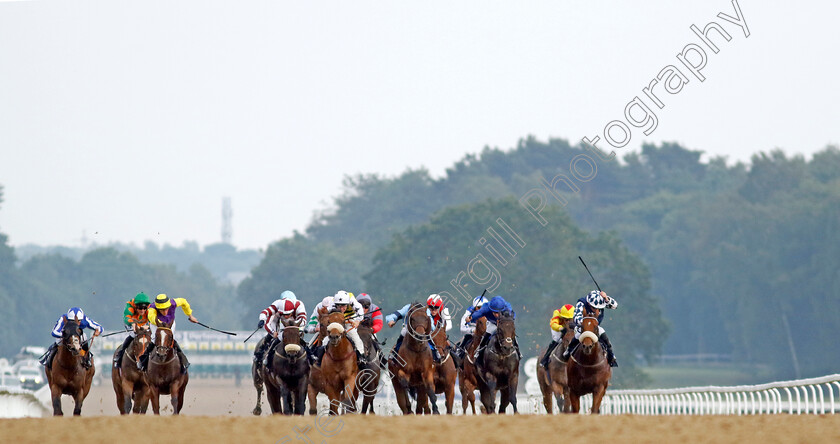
556, 336
491, 328
353, 334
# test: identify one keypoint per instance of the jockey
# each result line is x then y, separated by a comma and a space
135, 315
492, 310
438, 315
78, 315
374, 313
559, 324
163, 315
346, 303
287, 310
289, 305
468, 327
593, 303
313, 326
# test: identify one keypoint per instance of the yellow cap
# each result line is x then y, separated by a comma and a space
162, 302
568, 311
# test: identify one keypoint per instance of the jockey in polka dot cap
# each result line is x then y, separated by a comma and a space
592, 304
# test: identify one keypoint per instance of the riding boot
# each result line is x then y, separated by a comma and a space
48, 356
547, 356
435, 354
398, 344
121, 351
260, 351
143, 361
455, 358
568, 352
481, 345
608, 346
266, 358
310, 356
361, 361
87, 358
319, 353
182, 358
516, 347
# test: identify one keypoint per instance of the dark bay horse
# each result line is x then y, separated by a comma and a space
164, 372
498, 367
554, 381
67, 375
467, 375
257, 376
287, 375
368, 378
129, 382
588, 370
412, 366
338, 366
445, 373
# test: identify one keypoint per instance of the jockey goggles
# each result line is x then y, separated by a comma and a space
142, 306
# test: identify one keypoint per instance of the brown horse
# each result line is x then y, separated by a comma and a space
412, 366
445, 373
338, 366
554, 381
588, 370
287, 375
164, 372
129, 382
370, 373
466, 375
498, 367
316, 378
67, 375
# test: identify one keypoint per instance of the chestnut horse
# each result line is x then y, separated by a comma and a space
498, 367
588, 370
287, 375
554, 381
412, 366
370, 373
164, 372
466, 375
67, 375
338, 366
445, 373
316, 378
129, 382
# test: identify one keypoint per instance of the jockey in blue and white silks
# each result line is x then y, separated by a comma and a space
438, 316
492, 311
78, 315
467, 326
592, 303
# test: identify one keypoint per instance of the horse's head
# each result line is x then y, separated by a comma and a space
334, 322
71, 337
291, 337
323, 312
589, 334
505, 332
142, 339
164, 341
417, 322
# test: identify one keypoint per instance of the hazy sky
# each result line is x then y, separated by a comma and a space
131, 120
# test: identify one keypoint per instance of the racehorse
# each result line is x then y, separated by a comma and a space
164, 372
338, 366
466, 375
129, 382
316, 378
588, 370
368, 378
67, 375
413, 366
498, 368
445, 373
287, 374
554, 381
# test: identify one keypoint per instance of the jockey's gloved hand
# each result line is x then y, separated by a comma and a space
260, 324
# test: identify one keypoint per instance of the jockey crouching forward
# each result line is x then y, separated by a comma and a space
135, 316
288, 311
468, 326
492, 311
78, 315
592, 304
291, 307
438, 315
344, 302
559, 324
162, 314
374, 314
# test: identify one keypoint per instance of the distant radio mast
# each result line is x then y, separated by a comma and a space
227, 215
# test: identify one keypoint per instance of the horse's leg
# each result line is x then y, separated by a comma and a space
272, 397
116, 381
597, 396
400, 384
127, 389
154, 394
78, 398
55, 394
258, 384
313, 399
488, 394
504, 400
566, 407
513, 382
449, 392
430, 391
334, 396
174, 389
574, 403
300, 395
286, 398
183, 391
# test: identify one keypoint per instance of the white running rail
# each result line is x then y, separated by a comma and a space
814, 395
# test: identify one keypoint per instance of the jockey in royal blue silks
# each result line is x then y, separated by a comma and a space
492, 311
78, 315
594, 302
